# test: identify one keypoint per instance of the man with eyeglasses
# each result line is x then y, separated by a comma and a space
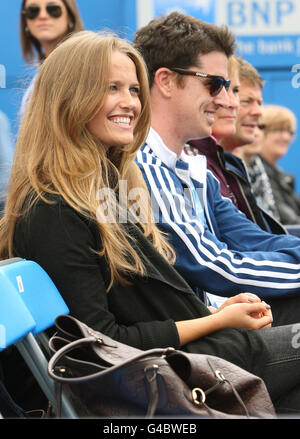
218, 250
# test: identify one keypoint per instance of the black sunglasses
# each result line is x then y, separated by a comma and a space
31, 12
216, 83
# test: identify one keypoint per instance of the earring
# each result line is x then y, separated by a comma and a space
27, 31
70, 27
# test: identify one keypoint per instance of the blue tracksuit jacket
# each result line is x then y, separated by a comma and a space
225, 253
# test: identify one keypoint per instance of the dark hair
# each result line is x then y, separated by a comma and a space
177, 39
29, 44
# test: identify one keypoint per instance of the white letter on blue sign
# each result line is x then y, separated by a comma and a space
236, 10
283, 7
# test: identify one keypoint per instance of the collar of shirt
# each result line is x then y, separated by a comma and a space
192, 166
168, 157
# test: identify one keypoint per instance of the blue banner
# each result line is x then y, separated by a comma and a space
203, 9
268, 31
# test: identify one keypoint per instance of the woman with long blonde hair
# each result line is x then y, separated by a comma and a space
57, 154
78, 205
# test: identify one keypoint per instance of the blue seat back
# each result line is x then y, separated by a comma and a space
36, 289
15, 319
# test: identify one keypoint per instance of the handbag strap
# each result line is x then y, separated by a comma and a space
150, 372
151, 375
90, 340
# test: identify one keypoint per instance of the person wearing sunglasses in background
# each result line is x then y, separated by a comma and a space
218, 249
43, 25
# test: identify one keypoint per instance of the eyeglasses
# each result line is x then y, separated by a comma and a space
276, 130
31, 12
216, 83
281, 131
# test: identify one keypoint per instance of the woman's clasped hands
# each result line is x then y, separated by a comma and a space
245, 310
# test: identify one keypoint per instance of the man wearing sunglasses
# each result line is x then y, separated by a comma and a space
234, 127
187, 86
218, 250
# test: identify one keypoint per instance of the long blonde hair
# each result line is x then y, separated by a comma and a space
56, 153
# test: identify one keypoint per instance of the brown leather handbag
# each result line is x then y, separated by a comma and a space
105, 378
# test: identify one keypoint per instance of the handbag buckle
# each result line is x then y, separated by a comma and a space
198, 396
220, 377
94, 334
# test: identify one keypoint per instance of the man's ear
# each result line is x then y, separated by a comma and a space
164, 80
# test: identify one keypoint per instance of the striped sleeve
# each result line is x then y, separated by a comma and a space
240, 258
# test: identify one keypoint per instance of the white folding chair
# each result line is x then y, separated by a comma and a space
26, 283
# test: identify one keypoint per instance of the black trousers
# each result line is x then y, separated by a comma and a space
286, 310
